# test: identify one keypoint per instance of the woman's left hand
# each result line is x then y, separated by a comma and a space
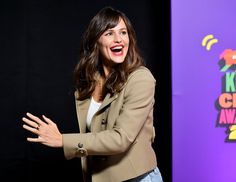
46, 129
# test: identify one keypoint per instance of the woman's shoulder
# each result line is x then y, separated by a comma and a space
140, 80
142, 72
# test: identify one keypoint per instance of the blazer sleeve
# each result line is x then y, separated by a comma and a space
138, 102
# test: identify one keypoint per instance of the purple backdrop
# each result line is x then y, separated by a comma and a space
201, 151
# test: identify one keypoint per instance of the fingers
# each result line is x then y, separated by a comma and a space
45, 128
39, 139
31, 129
49, 121
35, 118
30, 123
32, 139
36, 122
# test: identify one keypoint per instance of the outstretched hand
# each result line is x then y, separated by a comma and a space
46, 129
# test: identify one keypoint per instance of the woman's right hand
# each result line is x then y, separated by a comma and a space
46, 129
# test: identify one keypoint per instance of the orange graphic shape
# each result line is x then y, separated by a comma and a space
229, 56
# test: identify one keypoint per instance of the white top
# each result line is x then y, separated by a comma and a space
93, 108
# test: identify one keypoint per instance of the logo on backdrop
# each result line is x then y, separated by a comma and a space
227, 99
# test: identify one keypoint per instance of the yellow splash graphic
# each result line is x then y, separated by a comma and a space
208, 41
232, 135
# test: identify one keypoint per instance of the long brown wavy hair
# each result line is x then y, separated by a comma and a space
90, 65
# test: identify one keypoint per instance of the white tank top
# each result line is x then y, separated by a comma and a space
93, 108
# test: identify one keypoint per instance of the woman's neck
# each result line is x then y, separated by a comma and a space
98, 94
106, 70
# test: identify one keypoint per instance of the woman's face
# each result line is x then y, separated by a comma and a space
113, 45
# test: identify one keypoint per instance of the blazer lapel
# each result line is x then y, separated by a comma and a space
82, 110
83, 106
107, 100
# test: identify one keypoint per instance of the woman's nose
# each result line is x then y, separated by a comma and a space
117, 38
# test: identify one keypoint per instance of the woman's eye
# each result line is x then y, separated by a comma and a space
108, 34
123, 32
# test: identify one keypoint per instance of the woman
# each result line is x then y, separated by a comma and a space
114, 101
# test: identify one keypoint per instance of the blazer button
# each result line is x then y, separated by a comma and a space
82, 152
80, 145
104, 121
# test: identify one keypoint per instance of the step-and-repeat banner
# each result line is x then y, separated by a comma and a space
203, 34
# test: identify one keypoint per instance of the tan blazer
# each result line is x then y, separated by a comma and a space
119, 146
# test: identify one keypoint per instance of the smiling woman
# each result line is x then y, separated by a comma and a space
113, 46
114, 102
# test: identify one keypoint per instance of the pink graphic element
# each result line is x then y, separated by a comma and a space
227, 116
